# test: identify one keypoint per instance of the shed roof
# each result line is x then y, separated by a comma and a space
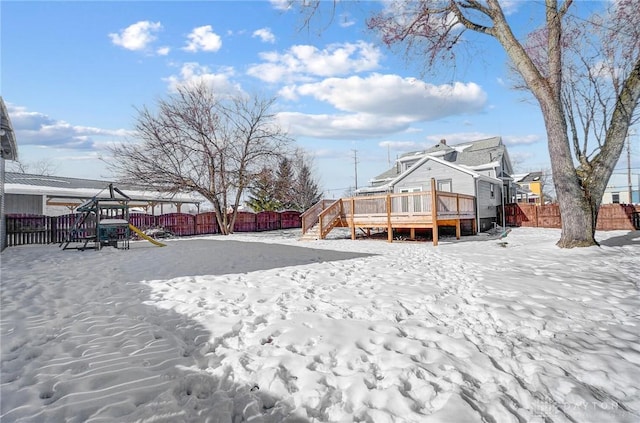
60, 187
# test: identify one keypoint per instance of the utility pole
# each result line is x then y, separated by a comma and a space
355, 165
629, 169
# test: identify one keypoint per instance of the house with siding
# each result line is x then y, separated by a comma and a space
530, 185
479, 168
8, 151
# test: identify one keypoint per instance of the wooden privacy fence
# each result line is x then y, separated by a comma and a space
35, 229
610, 216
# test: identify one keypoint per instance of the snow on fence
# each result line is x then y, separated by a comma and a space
23, 229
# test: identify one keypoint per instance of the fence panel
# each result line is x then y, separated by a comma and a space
610, 216
206, 223
267, 221
290, 219
245, 222
25, 229
180, 224
143, 221
37, 229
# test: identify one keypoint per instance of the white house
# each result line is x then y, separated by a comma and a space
479, 168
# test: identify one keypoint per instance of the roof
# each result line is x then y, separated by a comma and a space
59, 181
473, 154
461, 169
531, 177
63, 187
8, 145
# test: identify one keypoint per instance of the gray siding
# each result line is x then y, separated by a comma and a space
24, 204
487, 206
461, 182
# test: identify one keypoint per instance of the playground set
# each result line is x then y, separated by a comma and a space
104, 221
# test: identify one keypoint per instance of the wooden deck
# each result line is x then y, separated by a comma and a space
416, 210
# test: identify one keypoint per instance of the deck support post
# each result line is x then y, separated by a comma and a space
434, 211
458, 231
412, 233
353, 226
389, 227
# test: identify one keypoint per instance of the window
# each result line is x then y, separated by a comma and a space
615, 197
444, 185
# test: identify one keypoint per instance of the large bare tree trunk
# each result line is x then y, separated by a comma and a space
578, 213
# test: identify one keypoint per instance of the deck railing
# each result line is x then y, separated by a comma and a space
409, 210
327, 219
455, 205
310, 217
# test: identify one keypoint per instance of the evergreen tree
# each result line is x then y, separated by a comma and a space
285, 184
307, 190
263, 192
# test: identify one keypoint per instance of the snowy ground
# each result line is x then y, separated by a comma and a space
325, 331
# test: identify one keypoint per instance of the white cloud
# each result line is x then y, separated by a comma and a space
265, 35
34, 128
521, 139
203, 39
193, 73
301, 62
392, 95
163, 51
345, 126
378, 105
136, 37
509, 7
281, 4
346, 20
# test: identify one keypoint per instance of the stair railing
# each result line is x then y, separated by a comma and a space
329, 216
311, 216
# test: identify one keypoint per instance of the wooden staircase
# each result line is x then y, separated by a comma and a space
318, 220
312, 234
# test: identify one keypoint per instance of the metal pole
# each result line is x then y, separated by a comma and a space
629, 169
355, 165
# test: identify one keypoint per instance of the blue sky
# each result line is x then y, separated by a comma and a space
73, 73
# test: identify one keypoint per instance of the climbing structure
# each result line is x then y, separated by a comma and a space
103, 221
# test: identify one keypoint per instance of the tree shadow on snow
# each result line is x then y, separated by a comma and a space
108, 355
195, 257
631, 238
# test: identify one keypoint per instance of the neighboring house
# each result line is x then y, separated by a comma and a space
8, 151
479, 168
530, 188
56, 195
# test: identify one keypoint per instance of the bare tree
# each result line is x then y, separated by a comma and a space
42, 167
200, 142
436, 28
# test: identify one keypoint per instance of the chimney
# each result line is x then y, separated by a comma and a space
443, 141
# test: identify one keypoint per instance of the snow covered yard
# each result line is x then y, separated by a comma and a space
334, 330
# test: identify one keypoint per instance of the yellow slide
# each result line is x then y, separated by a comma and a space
145, 236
